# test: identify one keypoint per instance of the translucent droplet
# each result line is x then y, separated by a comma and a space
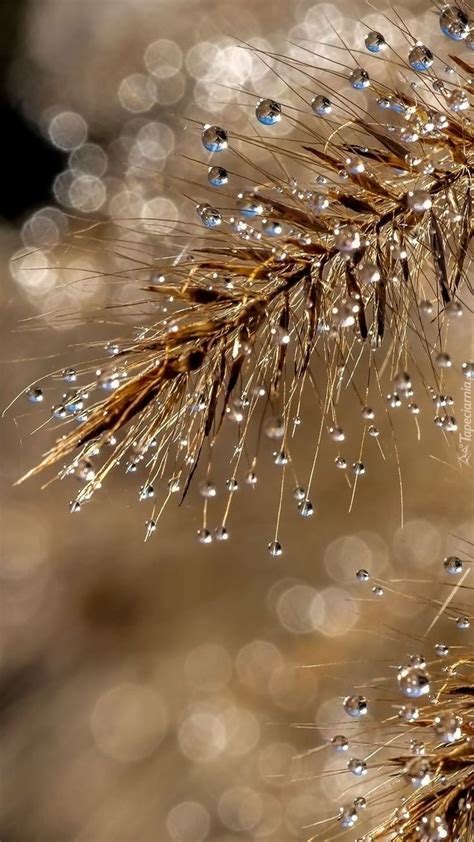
207, 489
275, 428
362, 575
443, 360
377, 590
84, 470
402, 381
355, 706
321, 105
35, 394
420, 58
217, 176
454, 23
275, 548
441, 650
340, 463
250, 205
468, 370
204, 536
417, 747
417, 660
419, 771
375, 42
354, 165
347, 817
280, 335
318, 202
221, 534
210, 216
373, 431
463, 622
448, 727
146, 492
271, 227
368, 274
281, 457
357, 767
305, 508
449, 423
268, 112
419, 201
251, 478
339, 742
367, 413
426, 308
394, 400
454, 309
359, 79
453, 565
457, 101
74, 506
413, 682
214, 138
69, 375
414, 408
59, 411
347, 239
232, 484
360, 803
336, 433
358, 469
409, 713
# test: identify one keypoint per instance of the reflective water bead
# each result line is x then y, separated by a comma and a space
217, 176
420, 58
318, 202
280, 335
448, 727
443, 360
419, 771
360, 803
367, 413
204, 536
271, 227
449, 423
354, 165
441, 650
377, 590
281, 457
468, 370
58, 411
336, 433
340, 463
35, 394
207, 489
69, 375
251, 478
417, 747
305, 508
419, 201
357, 767
373, 431
369, 274
359, 79
409, 713
321, 105
347, 239
413, 682
249, 205
355, 706
454, 309
375, 42
347, 816
417, 660
463, 622
299, 493
274, 428
454, 23
457, 101
221, 534
210, 216
173, 485
358, 468
275, 548
232, 484
414, 408
84, 470
214, 138
74, 506
394, 400
146, 492
268, 112
362, 575
340, 743
402, 381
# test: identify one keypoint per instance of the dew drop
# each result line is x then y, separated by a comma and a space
448, 727
419, 201
355, 706
251, 478
340, 463
35, 395
375, 42
441, 650
359, 79
347, 817
217, 176
321, 105
214, 138
336, 433
357, 767
413, 682
221, 534
210, 216
368, 274
467, 369
358, 469
443, 360
418, 772
274, 428
347, 239
377, 590
340, 743
420, 58
409, 713
362, 575
69, 375
268, 112
305, 508
454, 23
204, 536
275, 548
232, 484
146, 492
207, 489
463, 622
457, 101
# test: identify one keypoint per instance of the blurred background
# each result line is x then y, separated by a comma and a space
155, 691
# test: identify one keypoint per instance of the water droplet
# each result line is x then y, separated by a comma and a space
74, 506
454, 309
394, 400
357, 767
339, 742
84, 470
420, 58
35, 395
146, 492
354, 165
454, 23
217, 176
417, 660
377, 590
359, 79
281, 457
214, 138
409, 713
457, 101
336, 433
204, 536
280, 335
417, 747
375, 42
441, 650
347, 239
69, 375
360, 803
347, 817
418, 772
373, 431
275, 548
321, 105
355, 706
368, 274
413, 682
232, 484
340, 463
221, 534
419, 201
299, 493
271, 227
59, 411
210, 216
207, 489
358, 469
275, 428
443, 360
463, 622
250, 205
448, 727
305, 508
453, 565
251, 478
268, 112
362, 575
468, 370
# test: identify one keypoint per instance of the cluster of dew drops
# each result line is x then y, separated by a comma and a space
413, 682
456, 26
